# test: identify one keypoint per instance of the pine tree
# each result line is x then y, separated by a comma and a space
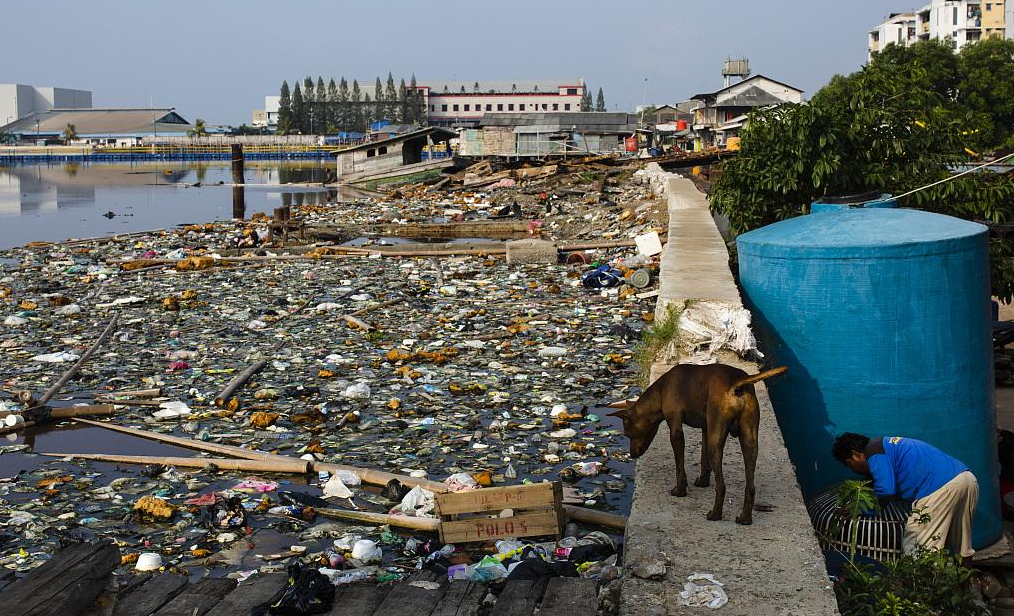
321, 91
298, 111
332, 106
344, 118
600, 102
586, 100
403, 110
391, 98
377, 112
356, 111
284, 109
415, 112
369, 111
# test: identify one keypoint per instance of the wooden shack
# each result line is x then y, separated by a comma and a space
397, 156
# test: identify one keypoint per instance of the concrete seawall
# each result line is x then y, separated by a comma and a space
773, 567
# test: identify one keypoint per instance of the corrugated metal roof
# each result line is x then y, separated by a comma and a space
440, 134
101, 122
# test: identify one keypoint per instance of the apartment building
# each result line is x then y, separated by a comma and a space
462, 103
960, 21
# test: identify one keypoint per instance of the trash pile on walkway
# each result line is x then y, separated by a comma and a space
464, 372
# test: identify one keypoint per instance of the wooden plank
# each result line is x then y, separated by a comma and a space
462, 598
249, 595
405, 598
152, 595
519, 598
198, 598
359, 600
7, 578
569, 597
66, 585
532, 496
487, 529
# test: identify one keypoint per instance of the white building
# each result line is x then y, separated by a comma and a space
462, 103
18, 101
267, 117
961, 21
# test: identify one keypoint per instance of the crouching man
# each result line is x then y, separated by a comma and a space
942, 490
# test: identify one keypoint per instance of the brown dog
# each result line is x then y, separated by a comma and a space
718, 399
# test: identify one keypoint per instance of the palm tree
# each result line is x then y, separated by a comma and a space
69, 133
199, 129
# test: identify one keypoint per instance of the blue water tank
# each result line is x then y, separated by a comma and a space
882, 316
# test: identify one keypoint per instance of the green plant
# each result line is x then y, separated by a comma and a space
656, 338
855, 497
69, 133
200, 129
927, 583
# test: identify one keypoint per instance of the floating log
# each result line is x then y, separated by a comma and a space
137, 393
57, 386
223, 397
189, 443
283, 465
596, 518
70, 412
17, 428
424, 524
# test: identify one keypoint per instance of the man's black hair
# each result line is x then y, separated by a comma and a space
848, 443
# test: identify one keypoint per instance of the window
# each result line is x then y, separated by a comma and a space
521, 107
544, 106
955, 16
383, 149
455, 108
371, 153
433, 107
556, 106
467, 107
510, 106
489, 107
443, 107
572, 91
499, 106
989, 7
566, 106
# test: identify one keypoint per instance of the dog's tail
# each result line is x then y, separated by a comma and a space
750, 380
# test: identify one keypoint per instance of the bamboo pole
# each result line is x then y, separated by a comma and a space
70, 412
189, 443
55, 389
223, 396
137, 393
283, 465
16, 428
423, 524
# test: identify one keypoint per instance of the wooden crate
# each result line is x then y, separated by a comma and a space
474, 516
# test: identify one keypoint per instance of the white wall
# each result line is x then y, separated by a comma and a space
532, 103
17, 101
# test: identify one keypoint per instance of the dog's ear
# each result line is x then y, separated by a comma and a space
622, 413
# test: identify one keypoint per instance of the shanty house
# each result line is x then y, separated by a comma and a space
400, 155
721, 110
529, 135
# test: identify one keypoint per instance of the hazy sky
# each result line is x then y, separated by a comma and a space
217, 59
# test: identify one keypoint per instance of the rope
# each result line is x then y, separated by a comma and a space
954, 177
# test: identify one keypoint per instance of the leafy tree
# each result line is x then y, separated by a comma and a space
986, 86
600, 101
343, 118
298, 110
70, 133
200, 129
586, 100
284, 109
876, 129
936, 61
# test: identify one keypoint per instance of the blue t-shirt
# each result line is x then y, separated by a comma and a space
908, 468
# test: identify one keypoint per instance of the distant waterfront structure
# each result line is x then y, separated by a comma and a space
18, 100
107, 127
960, 21
267, 117
462, 103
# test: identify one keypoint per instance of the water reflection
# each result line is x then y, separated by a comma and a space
53, 202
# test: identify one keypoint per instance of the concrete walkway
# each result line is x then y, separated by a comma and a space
773, 567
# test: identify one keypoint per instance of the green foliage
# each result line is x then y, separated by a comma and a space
928, 583
284, 109
854, 497
200, 129
892, 126
69, 133
656, 337
600, 101
586, 99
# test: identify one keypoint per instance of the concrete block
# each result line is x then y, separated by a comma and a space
521, 252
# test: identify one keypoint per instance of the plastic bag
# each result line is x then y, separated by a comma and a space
418, 502
307, 592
